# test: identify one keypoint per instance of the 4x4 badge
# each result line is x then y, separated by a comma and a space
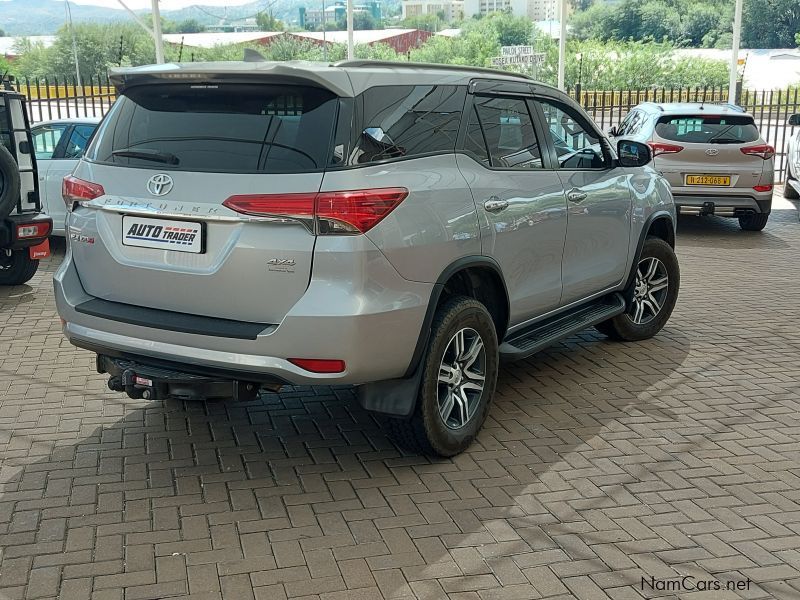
281, 264
159, 185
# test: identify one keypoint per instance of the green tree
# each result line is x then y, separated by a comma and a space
266, 21
189, 26
770, 23
361, 21
431, 23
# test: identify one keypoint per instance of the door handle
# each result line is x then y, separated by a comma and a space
576, 196
495, 204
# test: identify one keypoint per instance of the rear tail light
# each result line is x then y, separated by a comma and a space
661, 148
345, 212
77, 190
319, 365
27, 231
764, 151
763, 188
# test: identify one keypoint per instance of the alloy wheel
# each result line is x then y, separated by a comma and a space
461, 378
650, 290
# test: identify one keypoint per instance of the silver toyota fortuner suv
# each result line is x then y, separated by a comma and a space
400, 227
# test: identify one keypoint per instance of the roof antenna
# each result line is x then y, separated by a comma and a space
251, 55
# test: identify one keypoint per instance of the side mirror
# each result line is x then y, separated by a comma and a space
794, 120
633, 154
612, 131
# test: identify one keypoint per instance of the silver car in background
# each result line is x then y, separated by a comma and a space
712, 155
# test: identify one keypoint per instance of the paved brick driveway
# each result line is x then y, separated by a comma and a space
600, 464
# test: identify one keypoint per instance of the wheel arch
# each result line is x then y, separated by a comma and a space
478, 277
660, 224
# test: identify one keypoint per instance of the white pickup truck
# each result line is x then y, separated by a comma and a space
24, 229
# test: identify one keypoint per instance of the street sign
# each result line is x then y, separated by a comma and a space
516, 50
519, 59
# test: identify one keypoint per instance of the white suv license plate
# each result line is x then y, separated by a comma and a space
163, 234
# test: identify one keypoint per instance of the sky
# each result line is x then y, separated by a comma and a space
163, 4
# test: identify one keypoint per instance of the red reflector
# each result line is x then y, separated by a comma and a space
33, 230
39, 250
77, 190
319, 365
762, 188
661, 148
764, 151
351, 211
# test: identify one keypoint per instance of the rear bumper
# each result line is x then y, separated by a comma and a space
372, 324
722, 205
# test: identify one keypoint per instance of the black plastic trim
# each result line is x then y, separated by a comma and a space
627, 289
454, 267
170, 320
216, 373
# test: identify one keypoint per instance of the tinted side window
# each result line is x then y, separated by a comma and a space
506, 126
404, 121
76, 145
577, 144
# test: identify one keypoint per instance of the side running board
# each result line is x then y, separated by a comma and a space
538, 336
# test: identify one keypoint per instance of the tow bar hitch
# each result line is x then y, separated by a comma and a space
154, 383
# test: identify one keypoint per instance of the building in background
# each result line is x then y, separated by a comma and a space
447, 10
400, 40
535, 10
312, 18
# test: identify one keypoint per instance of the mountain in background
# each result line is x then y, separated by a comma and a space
44, 17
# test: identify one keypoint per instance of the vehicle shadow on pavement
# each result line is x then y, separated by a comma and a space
302, 493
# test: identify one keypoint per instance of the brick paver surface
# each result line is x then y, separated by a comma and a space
600, 464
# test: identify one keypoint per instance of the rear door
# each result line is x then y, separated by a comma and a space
70, 149
167, 157
46, 142
702, 154
521, 204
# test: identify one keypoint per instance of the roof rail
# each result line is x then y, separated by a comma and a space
419, 65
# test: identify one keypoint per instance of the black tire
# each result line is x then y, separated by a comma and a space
623, 327
788, 191
17, 268
426, 432
754, 221
9, 182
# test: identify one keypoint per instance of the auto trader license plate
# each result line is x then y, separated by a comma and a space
163, 234
713, 180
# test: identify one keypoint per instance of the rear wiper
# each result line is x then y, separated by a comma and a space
146, 154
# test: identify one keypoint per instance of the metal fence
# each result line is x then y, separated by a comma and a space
61, 97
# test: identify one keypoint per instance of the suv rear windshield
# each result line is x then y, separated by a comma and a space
708, 129
237, 128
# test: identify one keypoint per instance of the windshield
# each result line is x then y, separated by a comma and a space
710, 129
237, 128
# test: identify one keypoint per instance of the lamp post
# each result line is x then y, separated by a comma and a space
737, 36
562, 44
579, 56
